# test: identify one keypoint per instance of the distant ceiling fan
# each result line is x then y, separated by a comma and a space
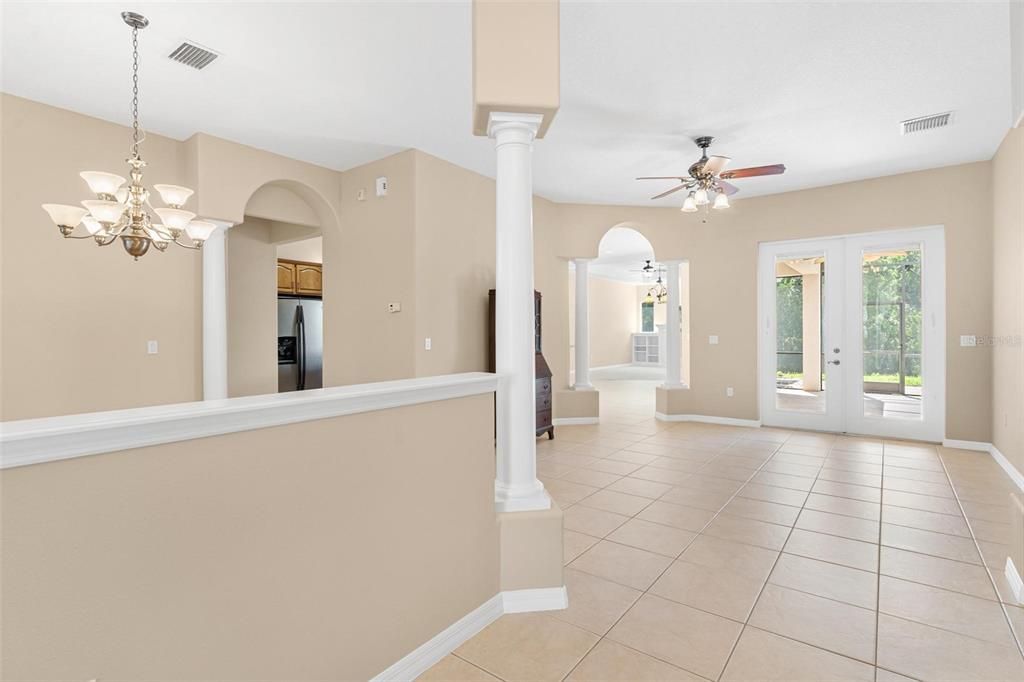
707, 177
647, 270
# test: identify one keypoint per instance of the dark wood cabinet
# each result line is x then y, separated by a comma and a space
542, 372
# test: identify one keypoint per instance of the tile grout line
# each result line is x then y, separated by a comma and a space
746, 621
692, 540
878, 557
977, 547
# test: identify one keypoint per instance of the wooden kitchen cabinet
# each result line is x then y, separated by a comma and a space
300, 278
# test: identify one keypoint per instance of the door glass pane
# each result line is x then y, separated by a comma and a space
892, 333
799, 361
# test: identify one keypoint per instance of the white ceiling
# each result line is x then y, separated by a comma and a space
819, 86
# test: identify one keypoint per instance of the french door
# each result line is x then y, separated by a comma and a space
852, 334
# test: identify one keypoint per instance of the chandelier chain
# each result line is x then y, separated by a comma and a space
135, 92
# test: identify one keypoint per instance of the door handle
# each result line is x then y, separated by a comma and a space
833, 362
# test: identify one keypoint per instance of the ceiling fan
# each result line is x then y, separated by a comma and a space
648, 270
708, 176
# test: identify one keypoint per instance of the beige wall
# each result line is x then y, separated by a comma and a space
308, 250
1008, 299
252, 309
372, 264
211, 559
76, 317
454, 266
722, 257
613, 319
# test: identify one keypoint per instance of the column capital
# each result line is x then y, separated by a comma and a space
583, 260
499, 122
673, 261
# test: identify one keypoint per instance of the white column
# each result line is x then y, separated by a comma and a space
215, 317
673, 332
516, 487
582, 380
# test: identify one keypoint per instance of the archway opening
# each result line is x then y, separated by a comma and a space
275, 295
627, 301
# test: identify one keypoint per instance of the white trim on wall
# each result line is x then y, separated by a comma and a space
425, 656
33, 441
707, 419
1016, 476
574, 421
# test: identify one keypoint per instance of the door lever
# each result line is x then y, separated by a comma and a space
833, 362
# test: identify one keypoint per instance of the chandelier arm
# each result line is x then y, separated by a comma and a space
186, 246
84, 236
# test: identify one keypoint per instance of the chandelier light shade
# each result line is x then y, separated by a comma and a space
121, 209
721, 201
701, 196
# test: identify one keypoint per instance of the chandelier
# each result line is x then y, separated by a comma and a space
121, 209
658, 292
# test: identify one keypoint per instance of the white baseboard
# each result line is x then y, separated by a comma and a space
1000, 458
1010, 470
1013, 577
707, 419
421, 659
573, 421
977, 445
539, 599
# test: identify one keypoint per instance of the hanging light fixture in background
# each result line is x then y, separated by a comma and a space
119, 210
721, 201
689, 204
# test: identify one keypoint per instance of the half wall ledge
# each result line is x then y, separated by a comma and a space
48, 439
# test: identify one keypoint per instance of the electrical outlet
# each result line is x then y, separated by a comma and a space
394, 307
968, 340
713, 339
729, 392
152, 347
426, 343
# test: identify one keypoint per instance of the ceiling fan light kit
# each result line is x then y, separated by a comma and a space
706, 181
121, 209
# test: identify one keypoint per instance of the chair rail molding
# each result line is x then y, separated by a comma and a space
48, 439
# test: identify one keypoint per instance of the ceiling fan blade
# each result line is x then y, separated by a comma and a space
664, 177
775, 169
715, 164
671, 191
727, 187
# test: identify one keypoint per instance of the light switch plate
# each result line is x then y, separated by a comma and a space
152, 347
729, 392
361, 195
426, 343
713, 339
968, 340
382, 186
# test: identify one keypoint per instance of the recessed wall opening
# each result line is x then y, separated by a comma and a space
627, 296
275, 276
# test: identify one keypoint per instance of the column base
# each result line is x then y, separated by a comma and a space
531, 552
672, 400
521, 498
577, 406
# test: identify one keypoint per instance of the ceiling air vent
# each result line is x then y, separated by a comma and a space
923, 123
193, 55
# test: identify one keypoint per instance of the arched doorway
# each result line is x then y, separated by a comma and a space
619, 321
274, 260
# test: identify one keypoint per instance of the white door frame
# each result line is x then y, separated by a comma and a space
846, 271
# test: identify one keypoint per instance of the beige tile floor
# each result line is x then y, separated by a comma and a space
697, 551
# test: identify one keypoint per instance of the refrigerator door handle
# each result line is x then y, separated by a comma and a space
301, 321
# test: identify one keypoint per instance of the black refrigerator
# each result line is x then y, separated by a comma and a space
300, 343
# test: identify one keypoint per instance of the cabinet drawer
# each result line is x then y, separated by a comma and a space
543, 386
544, 400
543, 418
